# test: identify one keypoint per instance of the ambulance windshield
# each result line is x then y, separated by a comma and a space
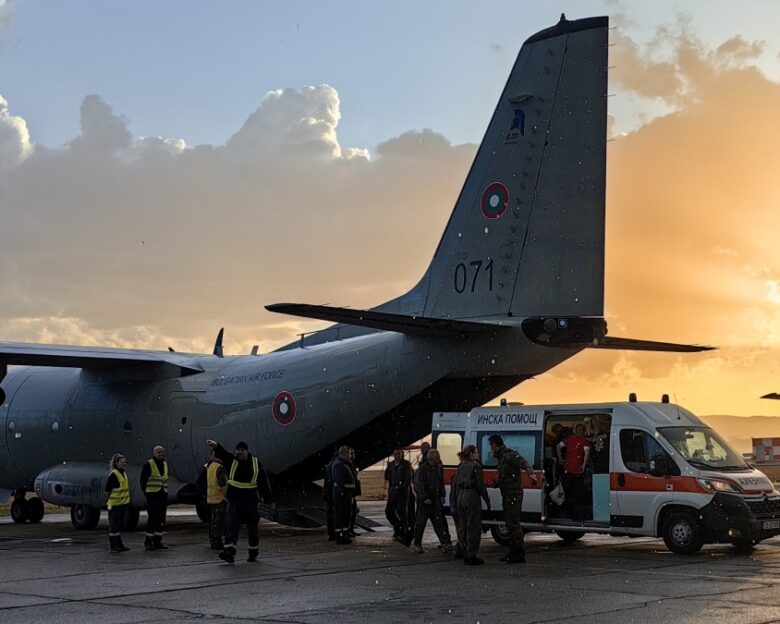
703, 448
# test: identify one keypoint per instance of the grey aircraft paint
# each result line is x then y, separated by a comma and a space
515, 287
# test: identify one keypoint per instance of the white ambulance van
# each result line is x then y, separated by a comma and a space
654, 469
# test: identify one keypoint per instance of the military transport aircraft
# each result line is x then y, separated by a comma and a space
515, 287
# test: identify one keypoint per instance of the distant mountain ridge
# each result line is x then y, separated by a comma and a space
738, 430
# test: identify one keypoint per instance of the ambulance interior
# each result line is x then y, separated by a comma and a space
571, 497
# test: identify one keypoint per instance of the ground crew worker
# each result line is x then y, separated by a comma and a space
213, 483
246, 479
358, 491
154, 484
510, 466
429, 490
118, 490
470, 491
343, 494
398, 475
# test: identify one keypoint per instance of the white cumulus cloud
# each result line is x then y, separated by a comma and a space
15, 143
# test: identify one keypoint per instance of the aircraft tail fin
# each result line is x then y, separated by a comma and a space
526, 235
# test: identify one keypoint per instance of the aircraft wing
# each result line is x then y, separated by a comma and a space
145, 364
772, 395
632, 344
415, 325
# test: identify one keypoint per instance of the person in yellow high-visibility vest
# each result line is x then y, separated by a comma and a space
213, 484
154, 483
246, 480
118, 490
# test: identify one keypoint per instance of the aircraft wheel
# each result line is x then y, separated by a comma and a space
570, 536
84, 517
203, 511
500, 534
35, 508
682, 533
132, 514
20, 510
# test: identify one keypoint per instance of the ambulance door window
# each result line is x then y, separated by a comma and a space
526, 443
638, 448
449, 445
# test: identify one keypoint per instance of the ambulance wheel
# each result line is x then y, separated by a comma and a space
20, 510
203, 511
682, 533
500, 534
570, 537
35, 507
84, 517
132, 514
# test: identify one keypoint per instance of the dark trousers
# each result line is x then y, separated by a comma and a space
217, 524
435, 514
329, 511
353, 514
513, 512
242, 511
342, 512
116, 518
574, 488
469, 522
397, 513
156, 507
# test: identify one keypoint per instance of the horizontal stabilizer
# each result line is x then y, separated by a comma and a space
145, 364
415, 325
772, 395
631, 344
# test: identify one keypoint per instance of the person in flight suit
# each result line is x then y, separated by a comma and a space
154, 485
398, 475
118, 490
246, 480
429, 490
510, 466
213, 483
470, 491
343, 494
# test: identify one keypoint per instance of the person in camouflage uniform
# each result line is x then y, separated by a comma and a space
510, 466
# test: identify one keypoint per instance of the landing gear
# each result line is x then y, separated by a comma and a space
35, 510
131, 519
20, 510
84, 517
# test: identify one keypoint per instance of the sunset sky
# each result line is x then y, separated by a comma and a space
157, 181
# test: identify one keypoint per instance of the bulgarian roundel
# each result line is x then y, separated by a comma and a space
283, 408
495, 199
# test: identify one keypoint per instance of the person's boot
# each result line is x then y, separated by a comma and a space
342, 538
253, 552
114, 547
473, 561
228, 555
121, 545
149, 543
158, 543
516, 555
459, 552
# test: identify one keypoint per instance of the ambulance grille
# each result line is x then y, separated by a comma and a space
765, 508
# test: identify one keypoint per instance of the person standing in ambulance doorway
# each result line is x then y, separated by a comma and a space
247, 480
469, 492
511, 465
577, 449
154, 484
118, 490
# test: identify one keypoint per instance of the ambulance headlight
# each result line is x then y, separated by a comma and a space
716, 485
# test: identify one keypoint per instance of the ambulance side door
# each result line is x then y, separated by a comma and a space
642, 480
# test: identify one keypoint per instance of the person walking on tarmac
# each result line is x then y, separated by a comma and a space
510, 466
213, 482
118, 490
343, 494
429, 490
398, 475
246, 479
469, 492
154, 484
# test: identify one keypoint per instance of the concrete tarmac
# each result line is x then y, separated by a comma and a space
52, 573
